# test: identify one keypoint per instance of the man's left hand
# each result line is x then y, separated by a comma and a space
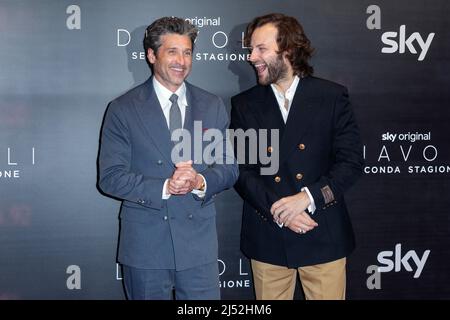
290, 206
185, 172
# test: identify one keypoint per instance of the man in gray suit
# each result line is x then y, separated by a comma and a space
168, 237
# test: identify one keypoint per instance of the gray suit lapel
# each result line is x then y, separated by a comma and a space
153, 120
189, 115
196, 111
193, 113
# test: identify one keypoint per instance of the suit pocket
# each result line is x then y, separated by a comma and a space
129, 204
135, 212
206, 212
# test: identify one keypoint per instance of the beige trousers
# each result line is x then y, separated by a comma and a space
324, 281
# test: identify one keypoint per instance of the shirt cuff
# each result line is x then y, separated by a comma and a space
199, 193
165, 195
312, 206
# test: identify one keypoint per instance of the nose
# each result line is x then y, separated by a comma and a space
253, 56
180, 59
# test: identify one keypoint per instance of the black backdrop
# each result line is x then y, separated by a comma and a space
62, 61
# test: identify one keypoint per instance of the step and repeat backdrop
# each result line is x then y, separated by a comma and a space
61, 62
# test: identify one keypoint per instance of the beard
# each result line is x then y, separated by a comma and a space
276, 69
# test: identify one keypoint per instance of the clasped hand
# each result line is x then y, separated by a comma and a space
184, 179
291, 212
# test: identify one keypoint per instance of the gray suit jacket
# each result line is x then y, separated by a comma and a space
134, 162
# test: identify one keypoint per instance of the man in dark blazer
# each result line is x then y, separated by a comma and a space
168, 238
296, 220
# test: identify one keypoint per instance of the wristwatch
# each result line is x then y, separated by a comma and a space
203, 185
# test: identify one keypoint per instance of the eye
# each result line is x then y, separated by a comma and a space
188, 53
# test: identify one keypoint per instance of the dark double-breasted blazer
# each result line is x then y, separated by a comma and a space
319, 148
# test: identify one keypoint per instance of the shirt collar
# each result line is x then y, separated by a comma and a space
164, 94
290, 92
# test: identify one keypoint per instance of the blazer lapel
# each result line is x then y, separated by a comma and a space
300, 118
195, 111
153, 119
267, 111
189, 115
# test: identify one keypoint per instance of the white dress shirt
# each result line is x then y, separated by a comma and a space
164, 95
284, 103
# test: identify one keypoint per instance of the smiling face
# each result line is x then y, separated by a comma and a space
271, 66
173, 60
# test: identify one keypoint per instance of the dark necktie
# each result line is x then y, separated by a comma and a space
175, 114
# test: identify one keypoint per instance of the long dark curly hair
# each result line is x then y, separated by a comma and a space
291, 39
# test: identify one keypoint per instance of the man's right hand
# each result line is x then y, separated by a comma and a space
183, 179
300, 223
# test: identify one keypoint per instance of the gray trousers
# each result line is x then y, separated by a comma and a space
198, 283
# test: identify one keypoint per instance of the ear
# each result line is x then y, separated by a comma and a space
151, 56
286, 57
